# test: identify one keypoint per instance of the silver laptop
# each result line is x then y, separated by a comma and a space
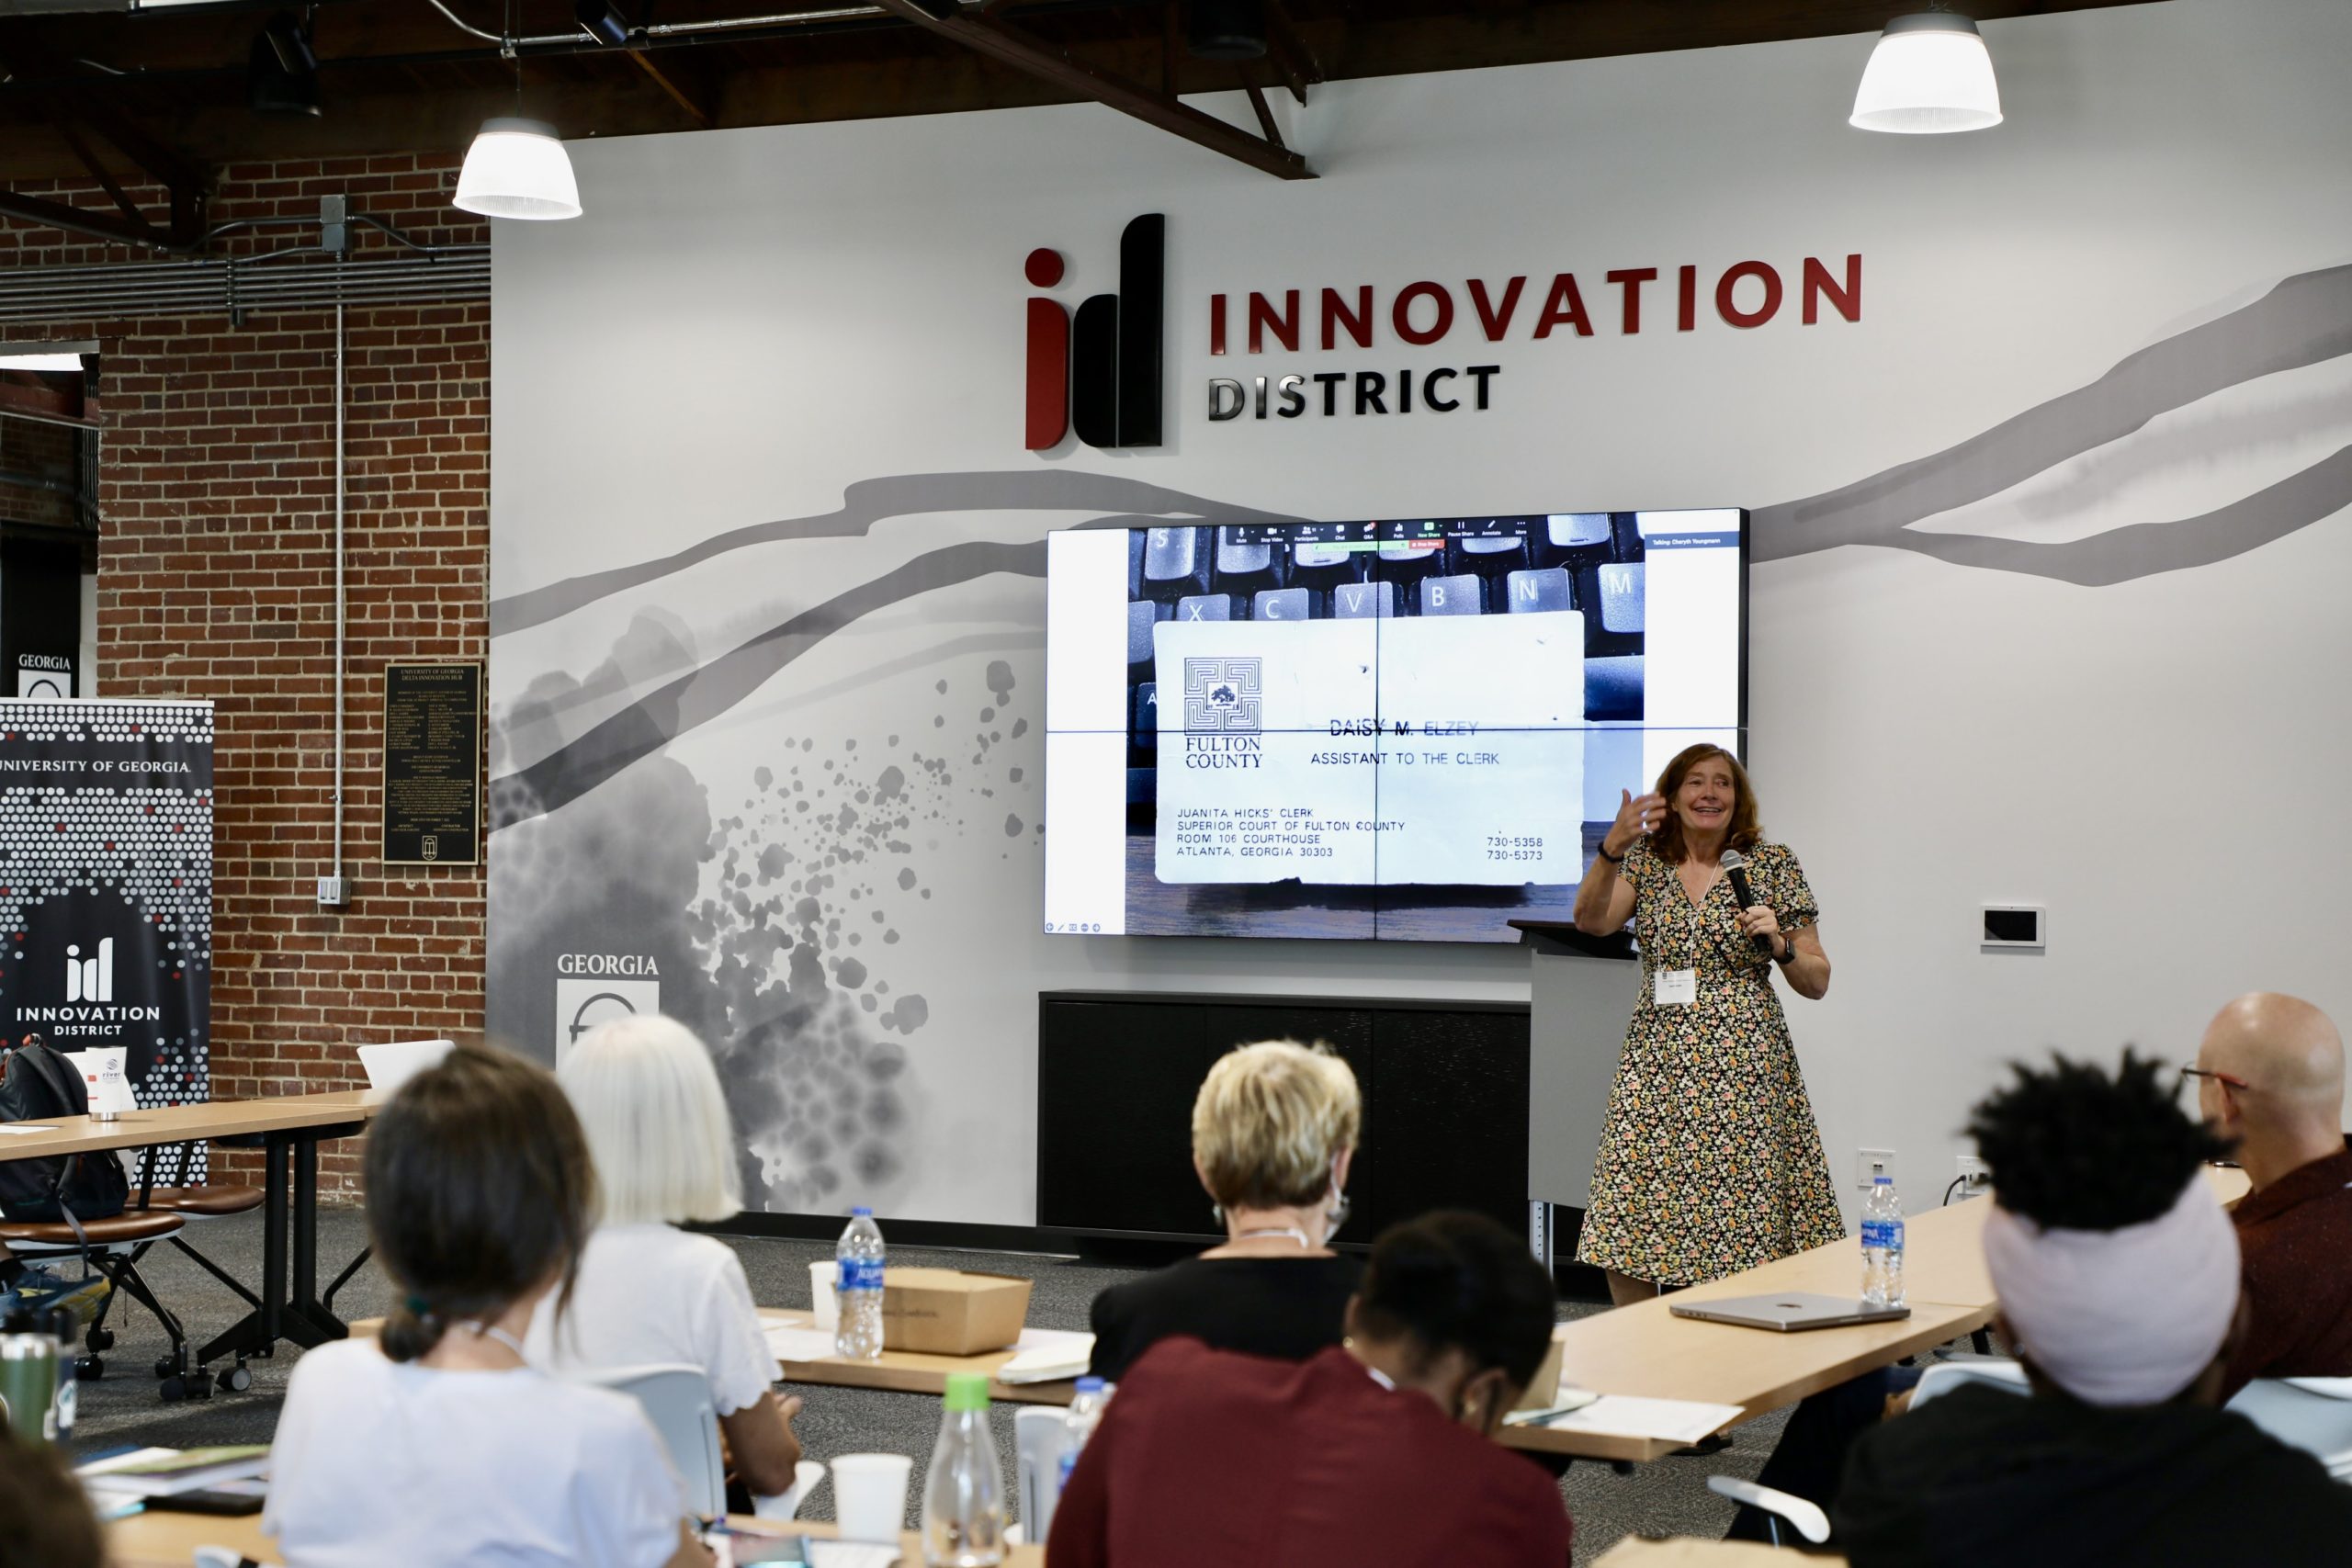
392, 1063
1789, 1313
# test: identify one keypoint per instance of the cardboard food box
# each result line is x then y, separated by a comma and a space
946, 1311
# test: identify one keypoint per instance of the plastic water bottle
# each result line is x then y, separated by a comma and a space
857, 1284
1882, 1244
1084, 1412
962, 1496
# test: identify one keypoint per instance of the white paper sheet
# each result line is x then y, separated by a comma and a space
788, 1342
19, 1129
1629, 1416
1048, 1354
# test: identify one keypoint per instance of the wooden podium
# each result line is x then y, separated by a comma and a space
1582, 996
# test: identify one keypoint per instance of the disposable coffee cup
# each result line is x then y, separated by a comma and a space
823, 1297
870, 1496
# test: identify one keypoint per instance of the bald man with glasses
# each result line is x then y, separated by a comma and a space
2270, 1073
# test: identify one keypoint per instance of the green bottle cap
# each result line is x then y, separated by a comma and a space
967, 1390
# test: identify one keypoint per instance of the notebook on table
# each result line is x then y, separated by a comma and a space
1789, 1313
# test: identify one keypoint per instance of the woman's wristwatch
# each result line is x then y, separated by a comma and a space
1788, 956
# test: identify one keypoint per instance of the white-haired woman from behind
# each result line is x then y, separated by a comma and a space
665, 1150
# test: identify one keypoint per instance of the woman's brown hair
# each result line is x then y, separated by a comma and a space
1745, 831
480, 1188
45, 1517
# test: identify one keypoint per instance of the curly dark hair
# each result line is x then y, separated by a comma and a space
2074, 1148
1455, 1279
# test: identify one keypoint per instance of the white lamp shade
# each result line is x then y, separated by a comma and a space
1929, 74
517, 168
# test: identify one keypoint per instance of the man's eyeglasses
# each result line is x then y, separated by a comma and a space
2232, 1080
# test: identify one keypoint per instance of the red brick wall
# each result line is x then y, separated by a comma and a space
215, 580
33, 451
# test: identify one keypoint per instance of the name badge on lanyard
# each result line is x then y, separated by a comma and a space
1679, 987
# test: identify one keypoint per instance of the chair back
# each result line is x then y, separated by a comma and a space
677, 1398
2311, 1413
391, 1063
1804, 1515
1942, 1377
1039, 1435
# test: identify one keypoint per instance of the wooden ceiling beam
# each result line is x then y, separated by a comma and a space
1025, 51
670, 77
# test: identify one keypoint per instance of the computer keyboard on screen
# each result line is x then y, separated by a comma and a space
1587, 561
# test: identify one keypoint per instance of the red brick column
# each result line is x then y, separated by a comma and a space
215, 580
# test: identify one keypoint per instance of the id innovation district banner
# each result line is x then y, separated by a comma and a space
106, 885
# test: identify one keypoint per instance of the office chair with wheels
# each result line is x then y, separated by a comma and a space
112, 1246
199, 1205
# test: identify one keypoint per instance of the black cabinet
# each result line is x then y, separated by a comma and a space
1444, 1089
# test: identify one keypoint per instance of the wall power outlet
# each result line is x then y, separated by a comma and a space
1871, 1164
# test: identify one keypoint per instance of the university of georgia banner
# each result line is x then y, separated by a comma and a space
106, 885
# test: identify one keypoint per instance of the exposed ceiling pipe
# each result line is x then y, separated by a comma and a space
638, 36
669, 35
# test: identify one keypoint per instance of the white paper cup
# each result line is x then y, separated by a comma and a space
821, 1294
870, 1496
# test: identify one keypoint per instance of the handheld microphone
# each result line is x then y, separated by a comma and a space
1734, 867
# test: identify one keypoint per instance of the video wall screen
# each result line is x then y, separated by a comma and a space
1403, 730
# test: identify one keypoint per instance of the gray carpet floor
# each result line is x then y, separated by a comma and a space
1666, 1499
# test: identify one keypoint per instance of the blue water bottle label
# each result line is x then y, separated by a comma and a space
1883, 1234
861, 1274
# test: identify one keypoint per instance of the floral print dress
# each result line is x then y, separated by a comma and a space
1710, 1161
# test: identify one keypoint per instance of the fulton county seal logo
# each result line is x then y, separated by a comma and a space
1224, 696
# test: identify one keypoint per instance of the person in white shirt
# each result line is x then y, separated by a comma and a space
435, 1442
648, 1292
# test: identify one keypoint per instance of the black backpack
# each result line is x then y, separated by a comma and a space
38, 1085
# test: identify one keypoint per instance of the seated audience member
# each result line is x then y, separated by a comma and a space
45, 1517
2270, 1073
2118, 1277
1376, 1453
436, 1442
1273, 1129
665, 1150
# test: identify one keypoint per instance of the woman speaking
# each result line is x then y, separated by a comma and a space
1710, 1161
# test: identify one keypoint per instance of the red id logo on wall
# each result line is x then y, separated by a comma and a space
1100, 371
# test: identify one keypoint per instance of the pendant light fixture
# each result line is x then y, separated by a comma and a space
516, 167
1929, 74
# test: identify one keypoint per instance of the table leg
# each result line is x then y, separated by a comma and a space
257, 1333
307, 1317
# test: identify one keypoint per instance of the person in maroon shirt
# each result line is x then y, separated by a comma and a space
2270, 1073
1377, 1452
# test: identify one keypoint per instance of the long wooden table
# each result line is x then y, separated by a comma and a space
169, 1540
1643, 1349
911, 1371
291, 1127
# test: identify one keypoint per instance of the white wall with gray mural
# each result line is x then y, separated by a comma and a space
2048, 545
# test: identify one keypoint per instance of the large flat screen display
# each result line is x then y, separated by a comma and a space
1405, 730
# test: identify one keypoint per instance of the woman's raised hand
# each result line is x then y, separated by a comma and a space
1636, 818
